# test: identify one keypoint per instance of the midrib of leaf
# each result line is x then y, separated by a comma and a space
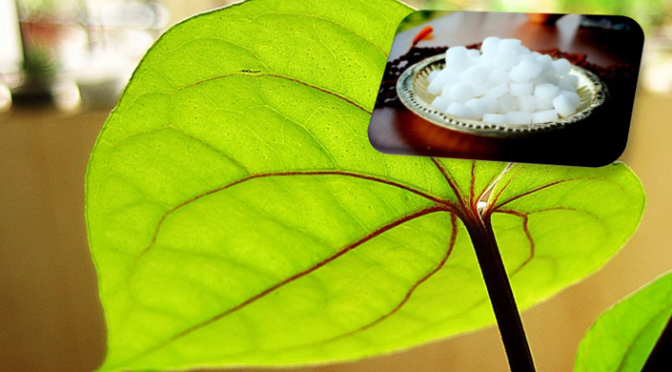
450, 180
445, 203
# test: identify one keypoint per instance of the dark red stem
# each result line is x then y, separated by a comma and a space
501, 296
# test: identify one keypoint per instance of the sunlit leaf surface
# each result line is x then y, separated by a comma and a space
238, 215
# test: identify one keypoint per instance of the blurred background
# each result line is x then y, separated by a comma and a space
63, 64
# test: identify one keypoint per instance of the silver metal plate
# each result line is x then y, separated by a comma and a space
412, 91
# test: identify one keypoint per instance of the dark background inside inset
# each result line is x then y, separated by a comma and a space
596, 141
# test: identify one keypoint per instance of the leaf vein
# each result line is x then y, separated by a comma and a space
262, 294
277, 76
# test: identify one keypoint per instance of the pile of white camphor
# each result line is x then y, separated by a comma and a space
504, 83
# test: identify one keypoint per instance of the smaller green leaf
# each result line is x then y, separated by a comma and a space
623, 337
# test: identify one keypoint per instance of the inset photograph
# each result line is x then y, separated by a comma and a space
516, 87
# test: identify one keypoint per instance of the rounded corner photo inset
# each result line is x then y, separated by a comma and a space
517, 87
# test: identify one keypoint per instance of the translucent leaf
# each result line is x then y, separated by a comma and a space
623, 336
238, 215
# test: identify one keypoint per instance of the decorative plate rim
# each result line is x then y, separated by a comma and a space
420, 107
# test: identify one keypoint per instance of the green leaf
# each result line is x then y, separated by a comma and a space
573, 219
237, 214
623, 336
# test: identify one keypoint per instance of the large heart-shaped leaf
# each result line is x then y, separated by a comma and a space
237, 214
623, 337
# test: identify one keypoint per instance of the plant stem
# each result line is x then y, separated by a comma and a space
501, 296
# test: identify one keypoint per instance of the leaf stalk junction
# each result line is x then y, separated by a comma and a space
476, 215
479, 227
